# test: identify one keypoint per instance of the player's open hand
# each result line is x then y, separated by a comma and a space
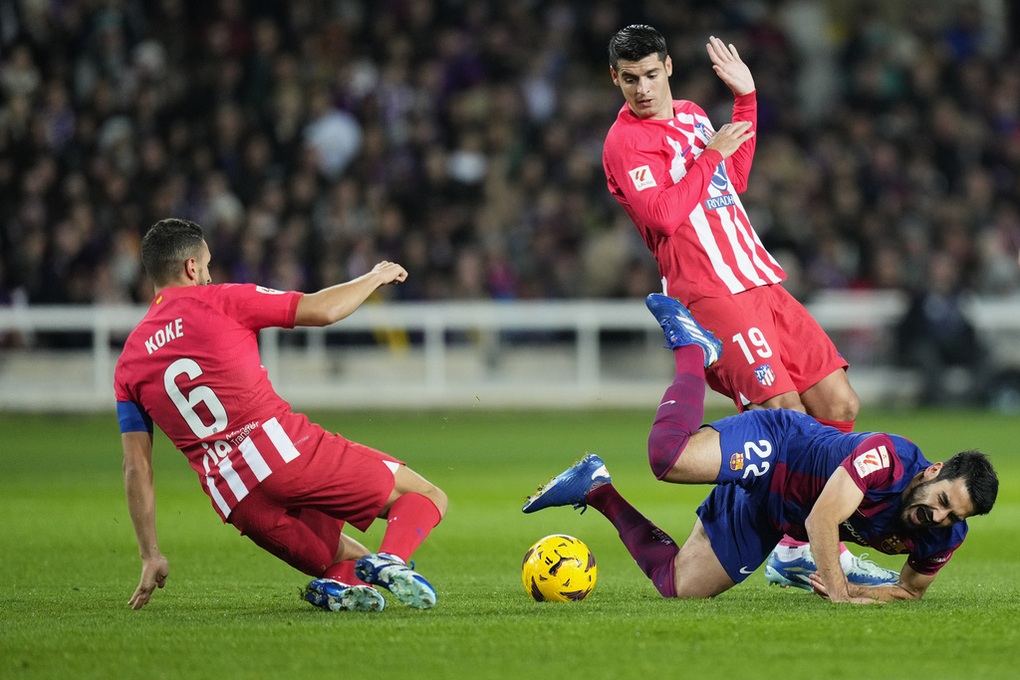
819, 588
390, 272
728, 65
154, 573
727, 139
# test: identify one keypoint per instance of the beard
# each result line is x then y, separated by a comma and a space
916, 515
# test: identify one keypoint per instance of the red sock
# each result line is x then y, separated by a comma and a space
411, 518
845, 426
650, 546
343, 572
680, 411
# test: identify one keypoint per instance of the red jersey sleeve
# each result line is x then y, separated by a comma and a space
257, 307
738, 166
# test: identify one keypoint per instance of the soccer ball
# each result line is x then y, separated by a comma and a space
559, 568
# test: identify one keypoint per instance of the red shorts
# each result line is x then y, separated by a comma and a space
298, 512
771, 345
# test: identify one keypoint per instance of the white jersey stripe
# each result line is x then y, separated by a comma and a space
761, 248
214, 493
230, 476
253, 457
756, 252
704, 231
280, 439
740, 250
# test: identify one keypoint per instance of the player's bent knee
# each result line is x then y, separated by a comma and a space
407, 480
664, 449
440, 500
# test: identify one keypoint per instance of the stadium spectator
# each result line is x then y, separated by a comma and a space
778, 471
936, 336
867, 138
192, 367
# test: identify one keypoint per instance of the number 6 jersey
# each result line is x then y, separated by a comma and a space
192, 367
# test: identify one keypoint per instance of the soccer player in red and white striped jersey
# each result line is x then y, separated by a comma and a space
192, 367
679, 180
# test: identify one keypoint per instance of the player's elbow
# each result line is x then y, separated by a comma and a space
664, 224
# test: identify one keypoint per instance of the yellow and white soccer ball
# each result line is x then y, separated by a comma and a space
559, 568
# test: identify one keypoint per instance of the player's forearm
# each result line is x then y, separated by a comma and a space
332, 304
669, 209
141, 501
823, 535
885, 593
745, 108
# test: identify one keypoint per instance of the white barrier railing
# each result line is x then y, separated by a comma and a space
490, 354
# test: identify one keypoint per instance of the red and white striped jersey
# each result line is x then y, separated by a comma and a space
192, 365
684, 200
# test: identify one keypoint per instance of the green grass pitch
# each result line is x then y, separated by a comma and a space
68, 564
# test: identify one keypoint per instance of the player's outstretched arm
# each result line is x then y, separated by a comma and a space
912, 586
730, 68
141, 500
836, 503
329, 305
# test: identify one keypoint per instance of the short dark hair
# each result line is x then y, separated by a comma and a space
167, 245
978, 475
636, 42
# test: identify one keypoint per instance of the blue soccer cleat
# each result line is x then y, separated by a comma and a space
334, 596
392, 573
795, 565
681, 328
572, 486
863, 572
792, 569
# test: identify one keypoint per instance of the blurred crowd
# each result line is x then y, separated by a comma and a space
463, 139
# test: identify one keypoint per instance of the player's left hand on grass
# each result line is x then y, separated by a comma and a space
819, 588
154, 573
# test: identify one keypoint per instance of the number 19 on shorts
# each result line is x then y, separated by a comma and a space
754, 346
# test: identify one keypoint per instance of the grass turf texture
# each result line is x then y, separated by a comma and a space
68, 564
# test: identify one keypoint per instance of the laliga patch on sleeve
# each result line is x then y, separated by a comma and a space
268, 291
872, 460
642, 177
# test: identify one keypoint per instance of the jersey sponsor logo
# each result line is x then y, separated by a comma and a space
737, 462
871, 461
717, 202
642, 177
237, 436
720, 180
765, 375
853, 532
269, 291
238, 468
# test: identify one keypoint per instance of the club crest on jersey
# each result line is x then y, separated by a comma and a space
872, 460
737, 462
642, 177
894, 545
765, 375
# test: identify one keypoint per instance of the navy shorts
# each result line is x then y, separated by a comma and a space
736, 513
